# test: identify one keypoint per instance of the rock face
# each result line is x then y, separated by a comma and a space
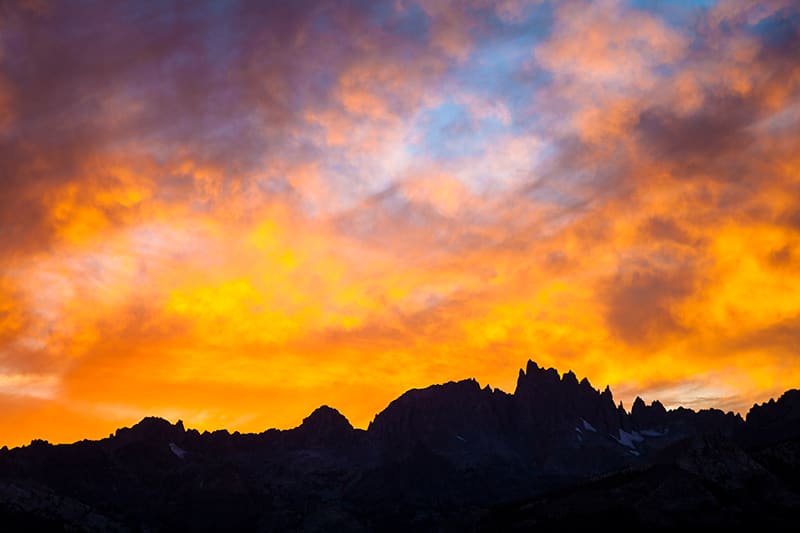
457, 419
546, 401
436, 459
325, 427
553, 425
774, 421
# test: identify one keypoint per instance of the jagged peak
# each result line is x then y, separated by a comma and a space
607, 396
447, 400
326, 417
788, 402
151, 420
638, 405
535, 375
791, 395
533, 369
151, 427
157, 422
468, 386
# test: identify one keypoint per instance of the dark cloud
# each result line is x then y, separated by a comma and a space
664, 229
223, 85
640, 299
724, 138
782, 256
791, 218
697, 140
782, 337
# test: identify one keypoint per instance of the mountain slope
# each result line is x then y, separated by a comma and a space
448, 457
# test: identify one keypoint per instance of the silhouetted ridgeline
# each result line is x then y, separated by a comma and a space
555, 454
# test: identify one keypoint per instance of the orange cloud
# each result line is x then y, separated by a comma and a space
339, 209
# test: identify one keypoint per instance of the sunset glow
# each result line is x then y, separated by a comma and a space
231, 213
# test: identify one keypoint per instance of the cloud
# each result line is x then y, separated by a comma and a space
208, 210
662, 228
641, 295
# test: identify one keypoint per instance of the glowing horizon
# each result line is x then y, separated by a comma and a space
232, 213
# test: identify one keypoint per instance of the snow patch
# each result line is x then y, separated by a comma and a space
179, 452
462, 439
634, 452
588, 427
629, 440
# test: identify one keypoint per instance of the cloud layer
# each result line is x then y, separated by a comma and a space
232, 213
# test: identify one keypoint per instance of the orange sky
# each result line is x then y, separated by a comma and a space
233, 214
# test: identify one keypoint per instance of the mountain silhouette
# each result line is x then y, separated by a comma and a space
556, 454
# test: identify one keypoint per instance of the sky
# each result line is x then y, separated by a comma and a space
233, 212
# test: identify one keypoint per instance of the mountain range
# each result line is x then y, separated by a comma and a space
557, 454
